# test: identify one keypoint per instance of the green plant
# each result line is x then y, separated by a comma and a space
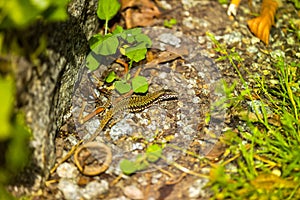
266, 152
296, 2
142, 161
14, 136
131, 43
223, 1
17, 16
294, 28
170, 23
107, 10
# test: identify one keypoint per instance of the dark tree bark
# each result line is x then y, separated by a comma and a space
44, 90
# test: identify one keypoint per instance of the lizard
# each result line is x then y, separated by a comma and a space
134, 103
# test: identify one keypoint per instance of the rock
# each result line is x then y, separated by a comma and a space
94, 189
196, 189
67, 170
133, 192
70, 190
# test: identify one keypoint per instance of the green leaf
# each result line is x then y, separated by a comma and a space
58, 14
111, 77
207, 118
170, 23
134, 31
136, 53
108, 46
129, 33
91, 62
130, 39
122, 87
223, 1
128, 167
173, 21
141, 162
118, 30
139, 84
96, 40
142, 165
6, 101
40, 4
143, 40
107, 9
21, 13
154, 152
18, 151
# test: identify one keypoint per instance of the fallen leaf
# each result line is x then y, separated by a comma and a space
139, 12
216, 152
261, 25
154, 58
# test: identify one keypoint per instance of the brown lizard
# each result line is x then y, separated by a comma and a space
135, 103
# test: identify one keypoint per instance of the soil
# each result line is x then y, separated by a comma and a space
195, 75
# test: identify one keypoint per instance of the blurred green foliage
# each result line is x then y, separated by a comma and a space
18, 15
6, 99
223, 1
14, 136
21, 13
296, 3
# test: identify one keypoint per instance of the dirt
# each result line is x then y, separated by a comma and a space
185, 176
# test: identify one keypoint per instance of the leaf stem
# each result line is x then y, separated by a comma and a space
106, 26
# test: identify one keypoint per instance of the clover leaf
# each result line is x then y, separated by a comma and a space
139, 84
154, 152
128, 167
122, 86
107, 9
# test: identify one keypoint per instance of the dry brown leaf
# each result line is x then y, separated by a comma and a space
139, 12
261, 25
216, 152
154, 58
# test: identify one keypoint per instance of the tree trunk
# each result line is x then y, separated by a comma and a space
44, 90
